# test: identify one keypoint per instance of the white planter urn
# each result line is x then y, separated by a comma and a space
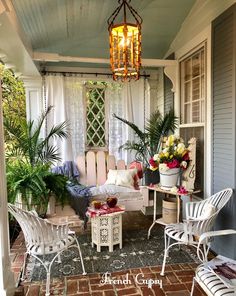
169, 178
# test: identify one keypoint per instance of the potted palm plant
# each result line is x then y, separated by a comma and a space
147, 143
28, 158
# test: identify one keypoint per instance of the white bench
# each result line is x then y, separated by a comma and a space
93, 168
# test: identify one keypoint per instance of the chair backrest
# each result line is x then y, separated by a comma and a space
195, 210
36, 230
220, 198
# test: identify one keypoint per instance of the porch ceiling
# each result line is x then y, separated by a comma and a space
79, 28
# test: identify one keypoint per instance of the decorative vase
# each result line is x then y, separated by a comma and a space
151, 177
169, 178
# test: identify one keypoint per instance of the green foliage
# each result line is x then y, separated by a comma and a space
26, 142
28, 155
148, 142
29, 158
13, 95
35, 183
57, 184
24, 178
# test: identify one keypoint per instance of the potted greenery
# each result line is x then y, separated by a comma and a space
30, 187
148, 142
28, 158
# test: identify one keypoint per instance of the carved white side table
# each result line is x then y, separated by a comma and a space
107, 230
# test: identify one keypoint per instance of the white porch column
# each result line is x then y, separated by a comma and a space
152, 103
172, 72
34, 97
7, 284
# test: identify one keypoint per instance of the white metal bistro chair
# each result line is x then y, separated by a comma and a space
200, 217
43, 237
211, 282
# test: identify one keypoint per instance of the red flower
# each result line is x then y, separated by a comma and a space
152, 163
186, 156
173, 164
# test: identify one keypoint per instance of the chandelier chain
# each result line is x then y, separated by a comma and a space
134, 13
114, 15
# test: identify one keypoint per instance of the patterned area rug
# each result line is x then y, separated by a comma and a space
137, 252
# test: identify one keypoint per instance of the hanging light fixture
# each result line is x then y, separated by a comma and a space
125, 43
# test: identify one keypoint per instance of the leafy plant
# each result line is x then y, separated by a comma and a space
57, 184
27, 180
26, 141
148, 142
13, 95
29, 158
34, 183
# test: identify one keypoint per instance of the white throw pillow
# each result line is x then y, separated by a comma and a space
111, 177
207, 211
121, 177
126, 178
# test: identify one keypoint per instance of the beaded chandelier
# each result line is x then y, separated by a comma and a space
125, 43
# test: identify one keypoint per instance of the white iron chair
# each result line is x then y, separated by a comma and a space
212, 284
43, 237
200, 217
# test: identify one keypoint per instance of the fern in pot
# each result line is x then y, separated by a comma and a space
28, 159
26, 186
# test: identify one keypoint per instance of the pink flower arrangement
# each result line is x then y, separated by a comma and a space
174, 155
182, 190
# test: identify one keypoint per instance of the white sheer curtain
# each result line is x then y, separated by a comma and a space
55, 96
114, 99
66, 94
133, 102
75, 113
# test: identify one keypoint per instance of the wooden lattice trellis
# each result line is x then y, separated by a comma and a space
95, 116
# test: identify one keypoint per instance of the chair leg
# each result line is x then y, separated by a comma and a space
48, 270
81, 257
23, 270
206, 249
166, 252
48, 284
193, 284
167, 247
59, 258
164, 262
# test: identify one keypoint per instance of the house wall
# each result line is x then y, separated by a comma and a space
223, 115
197, 29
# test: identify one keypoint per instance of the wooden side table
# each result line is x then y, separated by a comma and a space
107, 230
167, 192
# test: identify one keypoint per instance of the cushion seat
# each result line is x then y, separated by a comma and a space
131, 198
212, 283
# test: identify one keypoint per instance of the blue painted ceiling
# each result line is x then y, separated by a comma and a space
79, 27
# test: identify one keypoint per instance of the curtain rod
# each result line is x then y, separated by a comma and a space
44, 72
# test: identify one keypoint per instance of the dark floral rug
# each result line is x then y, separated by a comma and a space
137, 251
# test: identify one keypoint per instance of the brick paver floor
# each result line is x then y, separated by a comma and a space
176, 282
